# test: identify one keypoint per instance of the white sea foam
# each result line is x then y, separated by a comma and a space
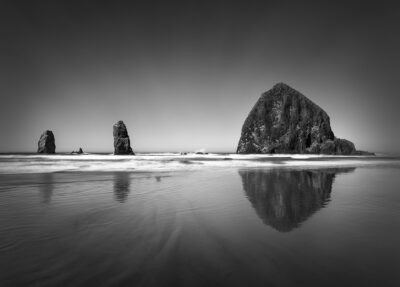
17, 164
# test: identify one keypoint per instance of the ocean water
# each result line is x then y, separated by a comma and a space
199, 220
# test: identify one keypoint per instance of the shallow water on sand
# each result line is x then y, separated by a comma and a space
207, 227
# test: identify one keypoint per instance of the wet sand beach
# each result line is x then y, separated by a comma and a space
235, 226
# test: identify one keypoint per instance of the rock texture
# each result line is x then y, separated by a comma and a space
122, 143
285, 121
47, 143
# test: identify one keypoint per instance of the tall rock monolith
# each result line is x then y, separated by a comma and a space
122, 145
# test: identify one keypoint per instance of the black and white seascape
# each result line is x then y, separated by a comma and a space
196, 143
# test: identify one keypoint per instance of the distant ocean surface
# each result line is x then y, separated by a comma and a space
167, 219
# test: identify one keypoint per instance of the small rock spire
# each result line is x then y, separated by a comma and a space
122, 143
47, 143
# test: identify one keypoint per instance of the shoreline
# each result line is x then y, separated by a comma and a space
34, 163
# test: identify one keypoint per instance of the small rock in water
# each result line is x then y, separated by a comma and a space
80, 151
122, 145
47, 143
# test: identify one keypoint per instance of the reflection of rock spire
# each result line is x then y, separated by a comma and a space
284, 199
122, 183
46, 186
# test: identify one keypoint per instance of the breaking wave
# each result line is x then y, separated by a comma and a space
34, 163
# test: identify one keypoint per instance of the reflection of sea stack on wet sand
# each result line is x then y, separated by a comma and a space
122, 183
284, 199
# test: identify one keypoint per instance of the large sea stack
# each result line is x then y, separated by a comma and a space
47, 143
285, 121
122, 143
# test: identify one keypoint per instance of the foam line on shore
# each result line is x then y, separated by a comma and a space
18, 164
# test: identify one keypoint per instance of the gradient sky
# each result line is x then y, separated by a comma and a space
183, 75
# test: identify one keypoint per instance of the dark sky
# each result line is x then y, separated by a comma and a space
183, 75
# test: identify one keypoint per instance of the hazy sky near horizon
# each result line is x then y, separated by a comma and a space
183, 75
